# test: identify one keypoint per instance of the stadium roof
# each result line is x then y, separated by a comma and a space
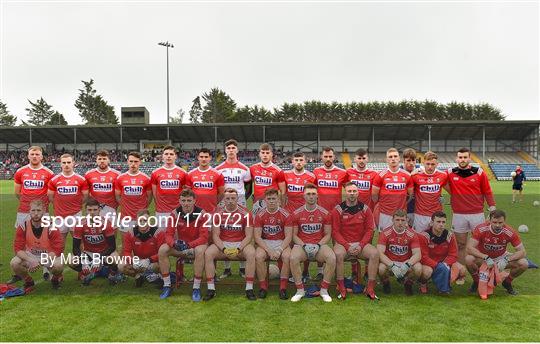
259, 132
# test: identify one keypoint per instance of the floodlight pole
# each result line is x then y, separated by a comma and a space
167, 45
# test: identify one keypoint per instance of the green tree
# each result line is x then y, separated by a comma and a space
57, 119
219, 107
42, 113
93, 109
178, 118
195, 113
6, 119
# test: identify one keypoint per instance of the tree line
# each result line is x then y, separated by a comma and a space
216, 106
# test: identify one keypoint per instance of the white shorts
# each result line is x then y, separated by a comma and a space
107, 210
22, 217
273, 244
162, 220
464, 223
421, 223
232, 244
73, 219
385, 221
126, 228
47, 261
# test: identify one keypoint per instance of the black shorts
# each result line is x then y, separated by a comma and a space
518, 187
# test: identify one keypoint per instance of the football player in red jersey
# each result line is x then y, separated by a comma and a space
362, 176
352, 230
167, 182
32, 241
232, 232
273, 235
207, 182
391, 188
265, 175
101, 184
399, 252
409, 165
141, 244
31, 183
67, 191
469, 188
133, 192
97, 240
186, 237
488, 244
295, 180
312, 231
428, 185
439, 247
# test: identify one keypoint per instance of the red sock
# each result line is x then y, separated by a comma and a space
28, 278
306, 267
263, 284
283, 283
325, 284
475, 277
299, 285
371, 285
340, 283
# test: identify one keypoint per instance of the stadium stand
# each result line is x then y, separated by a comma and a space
502, 171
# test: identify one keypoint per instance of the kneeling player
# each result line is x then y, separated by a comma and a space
141, 245
352, 230
399, 252
488, 244
312, 231
98, 243
36, 245
439, 253
187, 238
232, 232
273, 235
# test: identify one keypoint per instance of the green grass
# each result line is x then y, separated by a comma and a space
122, 313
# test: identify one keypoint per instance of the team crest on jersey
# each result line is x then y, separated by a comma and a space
32, 184
94, 238
102, 187
430, 188
310, 228
68, 190
169, 184
295, 188
362, 184
398, 250
263, 181
493, 247
396, 186
271, 230
325, 183
204, 185
133, 190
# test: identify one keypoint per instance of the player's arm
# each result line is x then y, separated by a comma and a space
248, 188
424, 249
85, 197
117, 195
150, 196
50, 195
382, 257
215, 237
452, 255
375, 194
248, 238
327, 234
472, 249
520, 253
257, 233
202, 238
154, 190
288, 237
487, 192
296, 239
111, 245
336, 230
17, 190
369, 228
77, 239
127, 245
416, 256
220, 191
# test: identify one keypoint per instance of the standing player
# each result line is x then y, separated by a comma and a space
409, 165
312, 231
295, 180
469, 188
186, 237
100, 182
390, 189
273, 235
133, 192
96, 240
31, 183
206, 182
232, 233
167, 182
428, 186
236, 175
32, 240
67, 191
352, 230
265, 175
399, 252
488, 244
362, 176
439, 247
517, 185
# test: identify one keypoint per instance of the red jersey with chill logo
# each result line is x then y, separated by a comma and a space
392, 190
469, 188
265, 177
329, 185
399, 246
143, 245
438, 249
169, 183
68, 193
352, 224
233, 224
295, 188
494, 245
34, 185
101, 186
310, 223
427, 192
94, 239
205, 184
364, 181
273, 224
133, 193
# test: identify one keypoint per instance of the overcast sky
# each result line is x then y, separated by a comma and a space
271, 52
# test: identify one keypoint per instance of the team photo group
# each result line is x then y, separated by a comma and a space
390, 221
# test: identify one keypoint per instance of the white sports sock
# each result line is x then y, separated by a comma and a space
167, 281
211, 286
249, 285
196, 283
324, 291
300, 291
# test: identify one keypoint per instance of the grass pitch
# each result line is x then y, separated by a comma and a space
122, 313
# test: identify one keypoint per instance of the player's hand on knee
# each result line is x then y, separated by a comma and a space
502, 263
396, 270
